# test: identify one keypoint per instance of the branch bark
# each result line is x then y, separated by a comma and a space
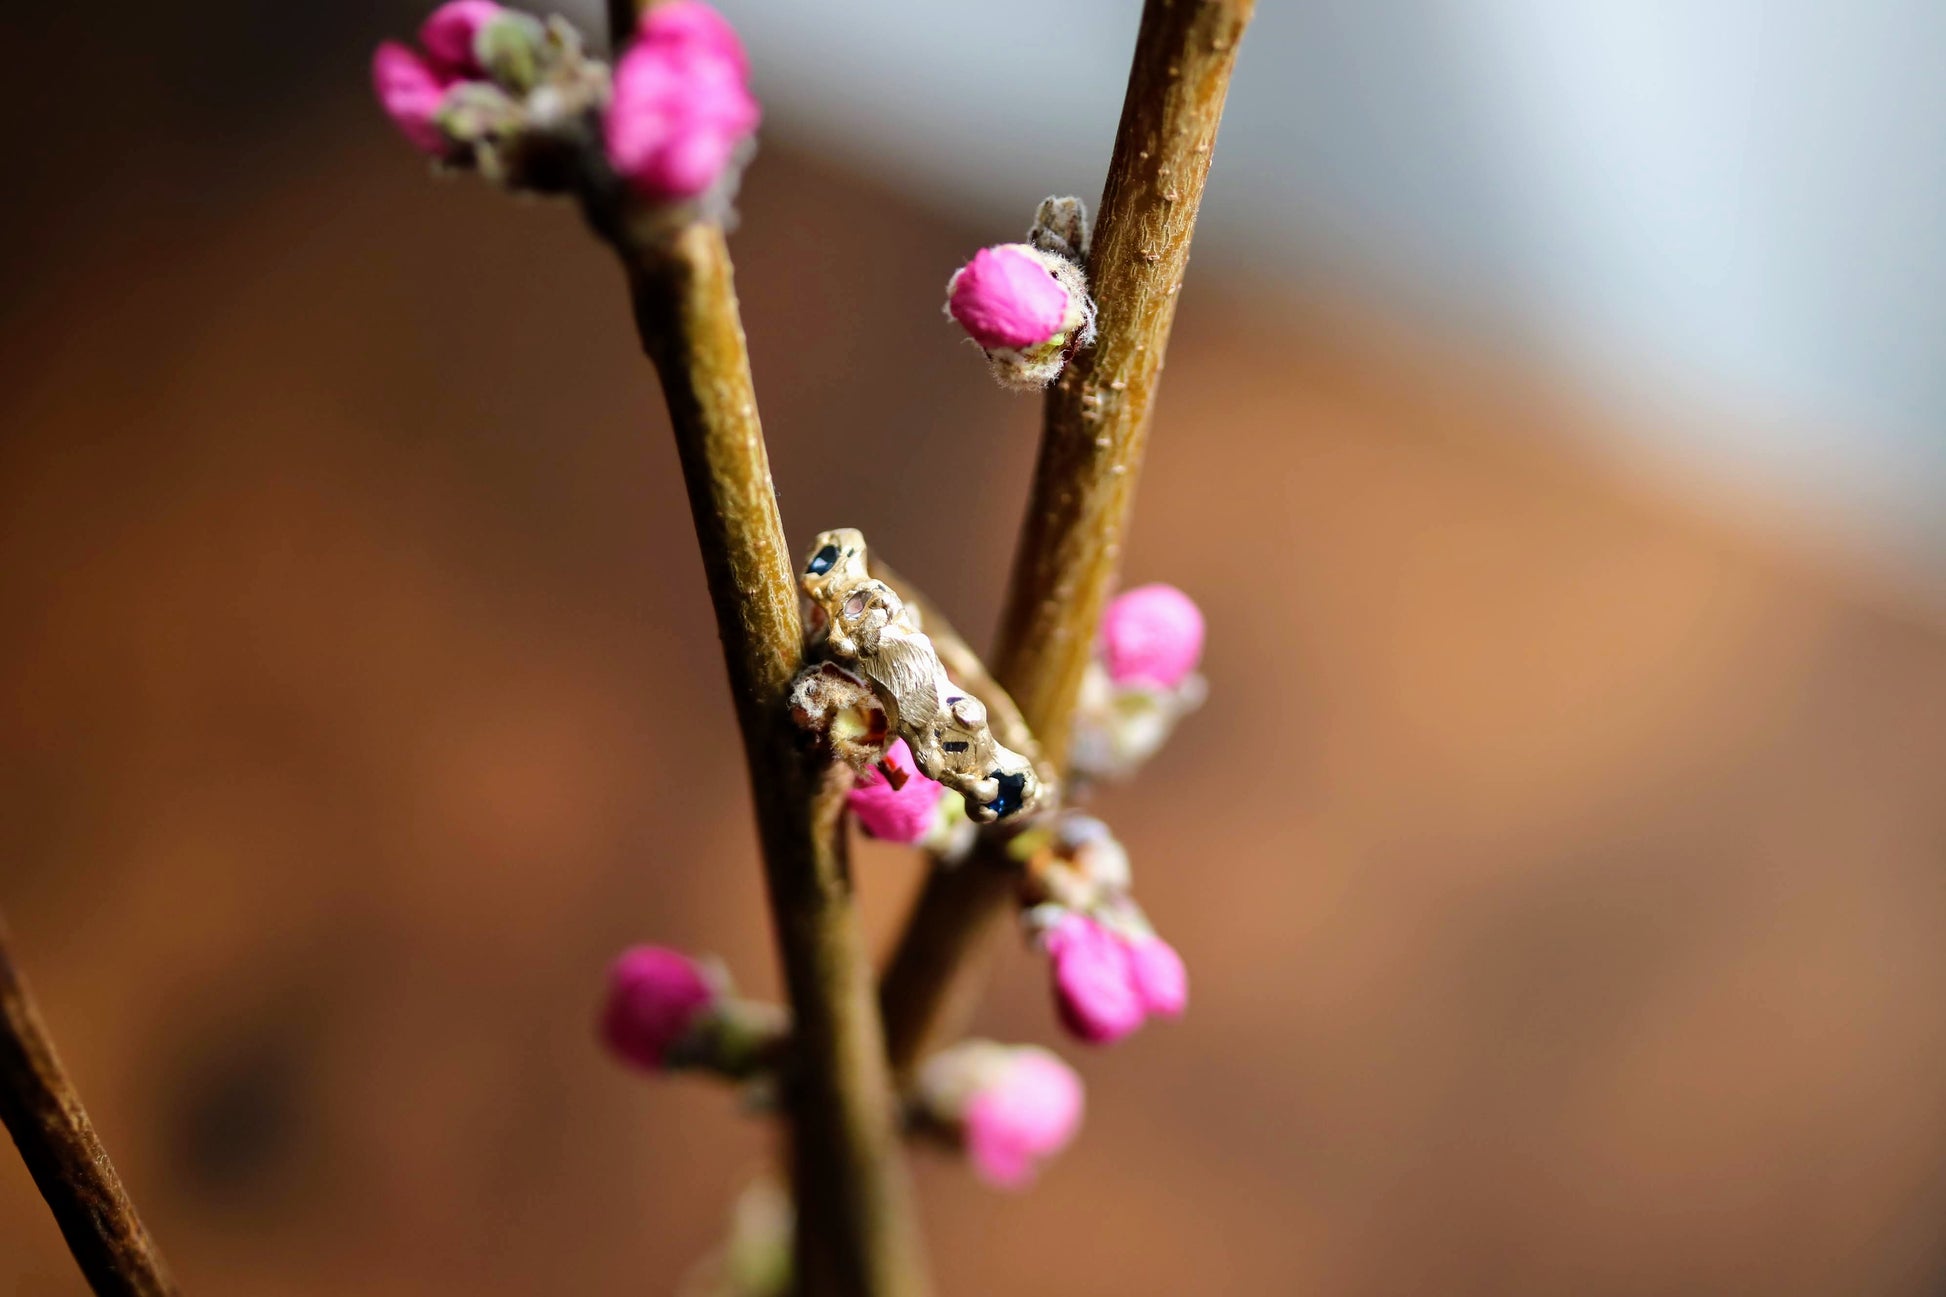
857, 1232
1096, 429
58, 1143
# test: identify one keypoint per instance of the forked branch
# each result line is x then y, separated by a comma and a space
856, 1227
1097, 426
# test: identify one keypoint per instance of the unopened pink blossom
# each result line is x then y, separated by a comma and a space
1157, 972
698, 30
1028, 1112
681, 107
450, 33
1094, 989
411, 89
1151, 635
1005, 297
656, 997
905, 814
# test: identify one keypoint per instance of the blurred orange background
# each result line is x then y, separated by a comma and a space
1558, 860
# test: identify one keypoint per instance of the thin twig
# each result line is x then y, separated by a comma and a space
1097, 425
932, 982
1098, 412
58, 1143
857, 1231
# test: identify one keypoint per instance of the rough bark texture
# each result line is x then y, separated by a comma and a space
1097, 425
58, 1143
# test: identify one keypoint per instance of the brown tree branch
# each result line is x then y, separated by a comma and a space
1097, 426
857, 1232
932, 982
58, 1143
1097, 419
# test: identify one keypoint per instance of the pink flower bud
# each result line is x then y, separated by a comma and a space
681, 108
1158, 975
697, 29
656, 997
1006, 297
449, 34
1094, 989
905, 814
1025, 1114
1151, 635
411, 90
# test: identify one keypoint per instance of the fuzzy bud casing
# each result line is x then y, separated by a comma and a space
1028, 309
1006, 297
512, 48
1141, 681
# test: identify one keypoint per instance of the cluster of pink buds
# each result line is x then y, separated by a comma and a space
661, 139
648, 146
1027, 304
1010, 1108
895, 803
1141, 682
1111, 971
667, 1012
496, 90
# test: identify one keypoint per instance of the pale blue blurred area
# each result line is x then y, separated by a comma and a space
1725, 218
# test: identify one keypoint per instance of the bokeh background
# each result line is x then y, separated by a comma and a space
1553, 434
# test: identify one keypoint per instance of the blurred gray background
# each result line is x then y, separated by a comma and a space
1719, 219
